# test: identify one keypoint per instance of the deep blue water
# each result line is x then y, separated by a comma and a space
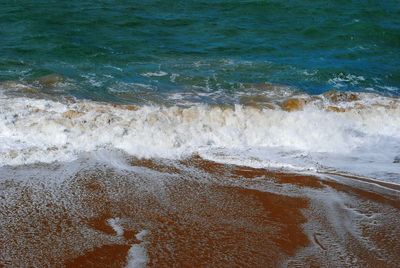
121, 50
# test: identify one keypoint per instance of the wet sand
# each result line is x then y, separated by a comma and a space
198, 213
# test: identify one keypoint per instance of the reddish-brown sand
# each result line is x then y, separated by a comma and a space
200, 214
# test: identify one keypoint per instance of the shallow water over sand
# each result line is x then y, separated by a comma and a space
193, 212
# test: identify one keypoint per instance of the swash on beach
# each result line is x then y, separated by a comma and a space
154, 94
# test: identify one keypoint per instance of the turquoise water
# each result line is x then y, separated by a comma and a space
124, 51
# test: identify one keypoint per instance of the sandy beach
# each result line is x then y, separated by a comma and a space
197, 213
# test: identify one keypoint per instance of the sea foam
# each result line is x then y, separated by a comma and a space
41, 130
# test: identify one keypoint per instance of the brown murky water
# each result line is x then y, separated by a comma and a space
198, 213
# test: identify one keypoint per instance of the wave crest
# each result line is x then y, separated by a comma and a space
39, 130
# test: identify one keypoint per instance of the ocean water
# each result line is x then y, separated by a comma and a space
172, 79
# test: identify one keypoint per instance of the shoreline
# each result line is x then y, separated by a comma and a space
197, 212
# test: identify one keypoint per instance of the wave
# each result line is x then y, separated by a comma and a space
335, 130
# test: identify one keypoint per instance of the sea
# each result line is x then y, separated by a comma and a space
301, 86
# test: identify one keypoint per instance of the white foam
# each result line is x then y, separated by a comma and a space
115, 224
156, 74
137, 255
38, 130
140, 236
342, 79
173, 77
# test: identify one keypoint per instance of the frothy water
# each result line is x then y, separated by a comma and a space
356, 133
296, 85
137, 256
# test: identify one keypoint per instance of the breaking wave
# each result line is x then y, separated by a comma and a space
308, 132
